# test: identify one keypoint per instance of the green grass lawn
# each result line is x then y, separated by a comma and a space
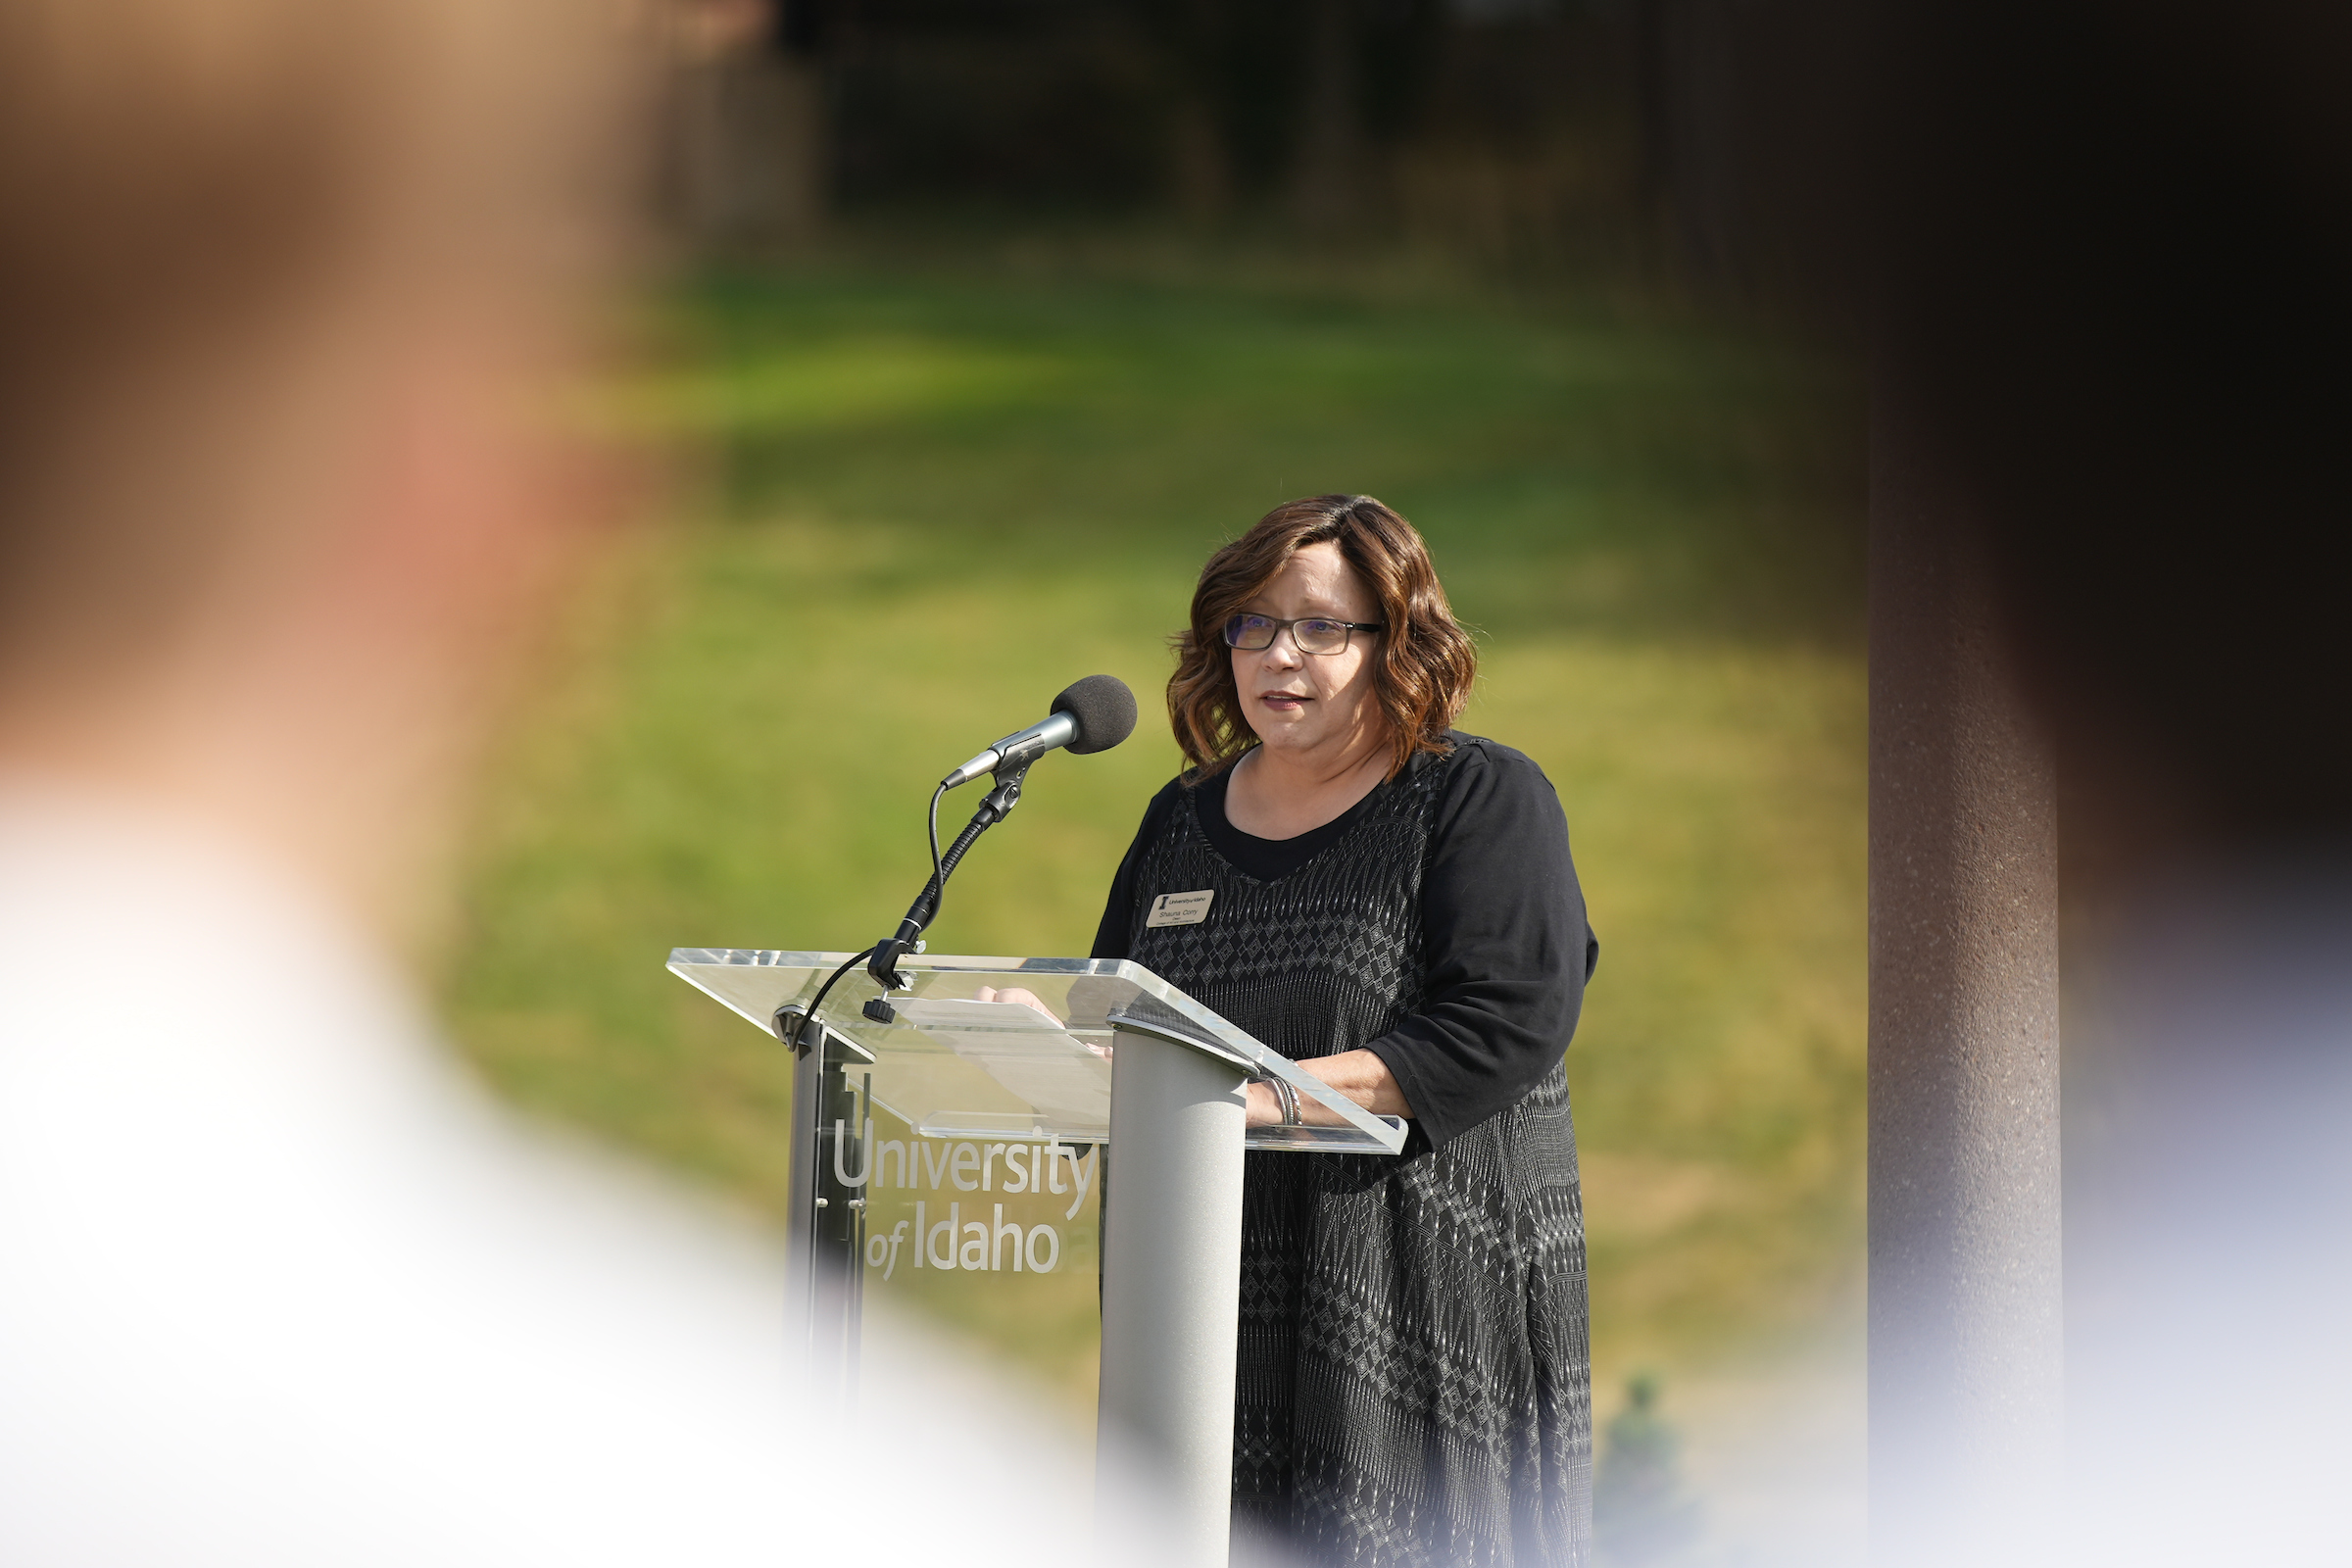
933, 496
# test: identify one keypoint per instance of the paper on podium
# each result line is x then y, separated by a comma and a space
1065, 1083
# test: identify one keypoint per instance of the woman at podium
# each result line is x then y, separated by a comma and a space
1392, 904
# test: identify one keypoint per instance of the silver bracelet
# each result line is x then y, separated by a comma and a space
1290, 1101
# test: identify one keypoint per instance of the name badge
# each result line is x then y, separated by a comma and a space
1180, 908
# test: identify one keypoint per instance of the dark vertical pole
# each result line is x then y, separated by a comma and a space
1327, 175
837, 1228
825, 1219
1966, 1399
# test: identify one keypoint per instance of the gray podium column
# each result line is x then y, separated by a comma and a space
1172, 1277
1965, 1363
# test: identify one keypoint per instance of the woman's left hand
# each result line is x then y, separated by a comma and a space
1019, 995
1022, 995
1360, 1075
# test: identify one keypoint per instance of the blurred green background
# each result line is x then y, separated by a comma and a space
937, 483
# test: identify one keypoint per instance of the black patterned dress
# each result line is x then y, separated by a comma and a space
1413, 1379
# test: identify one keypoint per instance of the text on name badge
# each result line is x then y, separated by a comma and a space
1180, 908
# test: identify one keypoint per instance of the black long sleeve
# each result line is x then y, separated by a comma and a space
1506, 946
1505, 943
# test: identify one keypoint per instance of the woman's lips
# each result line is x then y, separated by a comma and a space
1285, 700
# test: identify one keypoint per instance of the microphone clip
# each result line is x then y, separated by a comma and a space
1000, 802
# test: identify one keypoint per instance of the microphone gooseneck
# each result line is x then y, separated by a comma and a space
1090, 716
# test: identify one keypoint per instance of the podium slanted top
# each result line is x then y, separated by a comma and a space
952, 1065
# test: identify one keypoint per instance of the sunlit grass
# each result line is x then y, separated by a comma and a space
935, 499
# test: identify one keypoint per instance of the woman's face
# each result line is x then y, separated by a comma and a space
1303, 702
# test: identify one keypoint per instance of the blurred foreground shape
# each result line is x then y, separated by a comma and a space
298, 304
2112, 298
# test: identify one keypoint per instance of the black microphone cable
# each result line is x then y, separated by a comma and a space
934, 895
939, 883
994, 808
808, 1017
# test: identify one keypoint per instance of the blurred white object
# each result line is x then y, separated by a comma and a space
279, 1286
2209, 1224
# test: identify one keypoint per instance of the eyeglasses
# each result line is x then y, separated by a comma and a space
1314, 635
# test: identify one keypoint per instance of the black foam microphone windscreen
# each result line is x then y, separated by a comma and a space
1105, 709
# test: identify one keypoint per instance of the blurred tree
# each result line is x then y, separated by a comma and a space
1233, 68
745, 132
1402, 47
1363, 83
1327, 172
1016, 104
1713, 134
1749, 153
1641, 1513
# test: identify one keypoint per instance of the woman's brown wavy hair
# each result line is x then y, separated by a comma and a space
1422, 671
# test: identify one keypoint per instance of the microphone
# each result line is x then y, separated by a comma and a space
1090, 716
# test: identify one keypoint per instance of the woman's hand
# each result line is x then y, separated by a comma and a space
1360, 1075
1030, 999
1020, 996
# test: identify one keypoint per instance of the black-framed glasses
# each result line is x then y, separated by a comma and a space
1313, 634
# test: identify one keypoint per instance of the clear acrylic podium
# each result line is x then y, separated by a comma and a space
968, 1136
